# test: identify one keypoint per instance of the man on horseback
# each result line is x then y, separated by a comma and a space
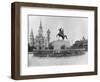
61, 33
61, 30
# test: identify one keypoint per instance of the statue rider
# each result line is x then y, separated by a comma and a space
61, 33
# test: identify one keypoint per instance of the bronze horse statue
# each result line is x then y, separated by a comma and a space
61, 34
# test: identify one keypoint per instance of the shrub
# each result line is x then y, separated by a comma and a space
63, 47
51, 47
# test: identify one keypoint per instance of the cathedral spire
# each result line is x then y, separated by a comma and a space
40, 29
40, 25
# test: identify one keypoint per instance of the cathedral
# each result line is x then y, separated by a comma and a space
40, 41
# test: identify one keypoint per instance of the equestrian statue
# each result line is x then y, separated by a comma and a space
61, 34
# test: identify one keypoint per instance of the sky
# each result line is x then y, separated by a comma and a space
74, 27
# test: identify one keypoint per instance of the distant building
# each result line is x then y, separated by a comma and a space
81, 44
85, 44
48, 38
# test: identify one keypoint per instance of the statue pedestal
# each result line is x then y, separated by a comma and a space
57, 44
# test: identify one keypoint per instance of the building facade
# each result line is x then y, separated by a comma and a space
41, 42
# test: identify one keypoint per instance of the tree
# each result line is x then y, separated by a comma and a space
31, 39
30, 49
63, 47
31, 42
50, 46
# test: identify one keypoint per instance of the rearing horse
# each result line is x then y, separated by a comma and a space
61, 34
